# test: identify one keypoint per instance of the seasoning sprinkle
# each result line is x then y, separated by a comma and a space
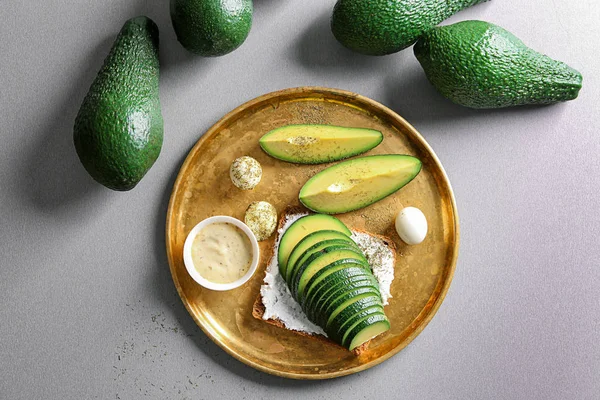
261, 218
245, 172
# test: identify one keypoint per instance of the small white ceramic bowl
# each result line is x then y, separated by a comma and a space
189, 264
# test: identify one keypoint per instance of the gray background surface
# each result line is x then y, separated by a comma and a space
87, 305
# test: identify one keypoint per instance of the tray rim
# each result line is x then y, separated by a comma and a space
298, 91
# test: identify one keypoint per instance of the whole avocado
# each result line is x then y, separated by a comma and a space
481, 65
380, 27
211, 28
118, 131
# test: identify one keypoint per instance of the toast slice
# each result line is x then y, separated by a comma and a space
259, 309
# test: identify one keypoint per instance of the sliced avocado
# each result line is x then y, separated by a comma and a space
480, 65
293, 268
356, 303
315, 144
379, 27
348, 317
364, 330
320, 292
318, 261
359, 182
118, 131
330, 269
312, 239
340, 290
327, 281
292, 265
301, 228
358, 299
211, 27
333, 286
325, 272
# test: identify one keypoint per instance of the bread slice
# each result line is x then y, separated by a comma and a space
258, 309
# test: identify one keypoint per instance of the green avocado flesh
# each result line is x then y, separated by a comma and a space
315, 144
315, 272
211, 27
318, 261
379, 27
311, 240
357, 183
365, 330
310, 253
357, 299
331, 268
343, 291
348, 317
334, 283
363, 298
480, 65
328, 279
293, 265
302, 228
118, 131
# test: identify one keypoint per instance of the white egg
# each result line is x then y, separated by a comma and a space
411, 225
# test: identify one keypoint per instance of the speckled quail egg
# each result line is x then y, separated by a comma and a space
261, 218
245, 172
411, 225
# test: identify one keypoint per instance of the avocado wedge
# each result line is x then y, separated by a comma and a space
357, 183
315, 144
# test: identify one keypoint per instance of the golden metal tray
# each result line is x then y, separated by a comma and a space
203, 189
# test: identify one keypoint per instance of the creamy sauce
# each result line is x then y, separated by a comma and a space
222, 253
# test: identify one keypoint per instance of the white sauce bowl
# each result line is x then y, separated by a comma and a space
189, 264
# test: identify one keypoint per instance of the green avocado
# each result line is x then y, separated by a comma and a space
316, 144
480, 65
357, 183
301, 228
364, 330
293, 264
211, 28
332, 284
320, 261
311, 240
380, 27
118, 131
349, 317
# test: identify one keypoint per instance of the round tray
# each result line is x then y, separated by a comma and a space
422, 274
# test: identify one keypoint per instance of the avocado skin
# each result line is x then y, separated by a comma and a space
118, 131
211, 28
380, 27
480, 65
